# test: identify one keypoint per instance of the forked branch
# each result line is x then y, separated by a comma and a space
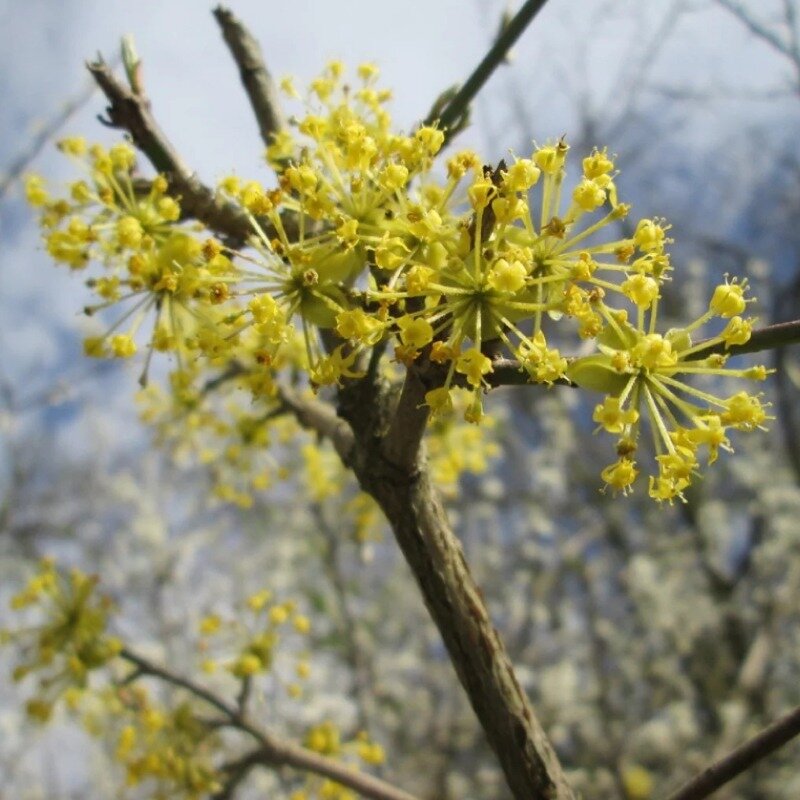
131, 112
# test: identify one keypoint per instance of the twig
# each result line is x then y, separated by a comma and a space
272, 751
244, 694
508, 372
255, 76
457, 106
760, 31
768, 338
146, 667
237, 771
131, 112
231, 372
322, 418
741, 759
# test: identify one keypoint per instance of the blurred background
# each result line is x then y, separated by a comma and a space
650, 639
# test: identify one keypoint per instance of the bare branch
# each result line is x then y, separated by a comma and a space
146, 667
322, 418
255, 76
456, 604
237, 771
131, 112
741, 759
788, 49
755, 27
508, 372
456, 108
272, 751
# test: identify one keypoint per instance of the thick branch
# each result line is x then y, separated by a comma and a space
402, 442
455, 109
256, 78
272, 751
741, 759
131, 112
415, 512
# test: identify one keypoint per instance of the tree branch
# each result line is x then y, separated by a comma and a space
768, 338
413, 508
402, 442
741, 759
457, 106
237, 771
146, 667
272, 751
508, 372
131, 112
255, 76
322, 418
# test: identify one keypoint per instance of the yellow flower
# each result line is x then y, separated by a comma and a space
474, 365
415, 332
644, 372
620, 475
122, 345
728, 299
278, 615
638, 783
301, 623
210, 624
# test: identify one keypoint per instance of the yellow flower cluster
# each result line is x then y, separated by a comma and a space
69, 639
325, 739
153, 266
222, 430
171, 748
644, 374
365, 242
246, 647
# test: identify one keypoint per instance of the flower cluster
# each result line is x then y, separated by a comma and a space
325, 738
246, 647
366, 244
68, 639
644, 374
170, 748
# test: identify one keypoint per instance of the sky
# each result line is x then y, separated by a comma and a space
577, 58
